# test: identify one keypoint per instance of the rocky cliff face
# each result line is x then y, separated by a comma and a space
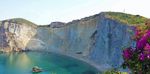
109, 40
14, 35
97, 38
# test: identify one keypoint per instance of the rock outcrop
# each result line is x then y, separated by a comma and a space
99, 38
15, 34
56, 24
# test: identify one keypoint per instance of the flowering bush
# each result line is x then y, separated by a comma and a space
137, 59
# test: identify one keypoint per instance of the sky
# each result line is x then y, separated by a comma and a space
46, 11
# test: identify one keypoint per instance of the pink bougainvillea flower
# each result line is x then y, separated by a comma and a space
147, 47
127, 53
143, 41
142, 56
148, 56
138, 58
137, 32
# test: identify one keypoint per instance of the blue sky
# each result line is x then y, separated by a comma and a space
47, 11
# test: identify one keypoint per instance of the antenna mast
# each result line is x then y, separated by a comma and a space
124, 10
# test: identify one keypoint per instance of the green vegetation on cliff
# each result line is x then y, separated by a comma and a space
21, 21
119, 16
126, 18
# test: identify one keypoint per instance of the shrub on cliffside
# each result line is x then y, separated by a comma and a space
137, 58
126, 18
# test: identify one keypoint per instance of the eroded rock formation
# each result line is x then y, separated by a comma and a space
15, 35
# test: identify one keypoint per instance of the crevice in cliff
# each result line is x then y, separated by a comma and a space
92, 42
109, 37
3, 38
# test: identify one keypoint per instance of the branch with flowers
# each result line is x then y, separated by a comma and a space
137, 58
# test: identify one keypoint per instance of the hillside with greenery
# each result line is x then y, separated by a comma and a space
21, 21
126, 18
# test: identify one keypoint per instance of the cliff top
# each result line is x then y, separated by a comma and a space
129, 19
126, 18
119, 16
21, 20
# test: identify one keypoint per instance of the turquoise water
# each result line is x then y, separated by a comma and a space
22, 63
